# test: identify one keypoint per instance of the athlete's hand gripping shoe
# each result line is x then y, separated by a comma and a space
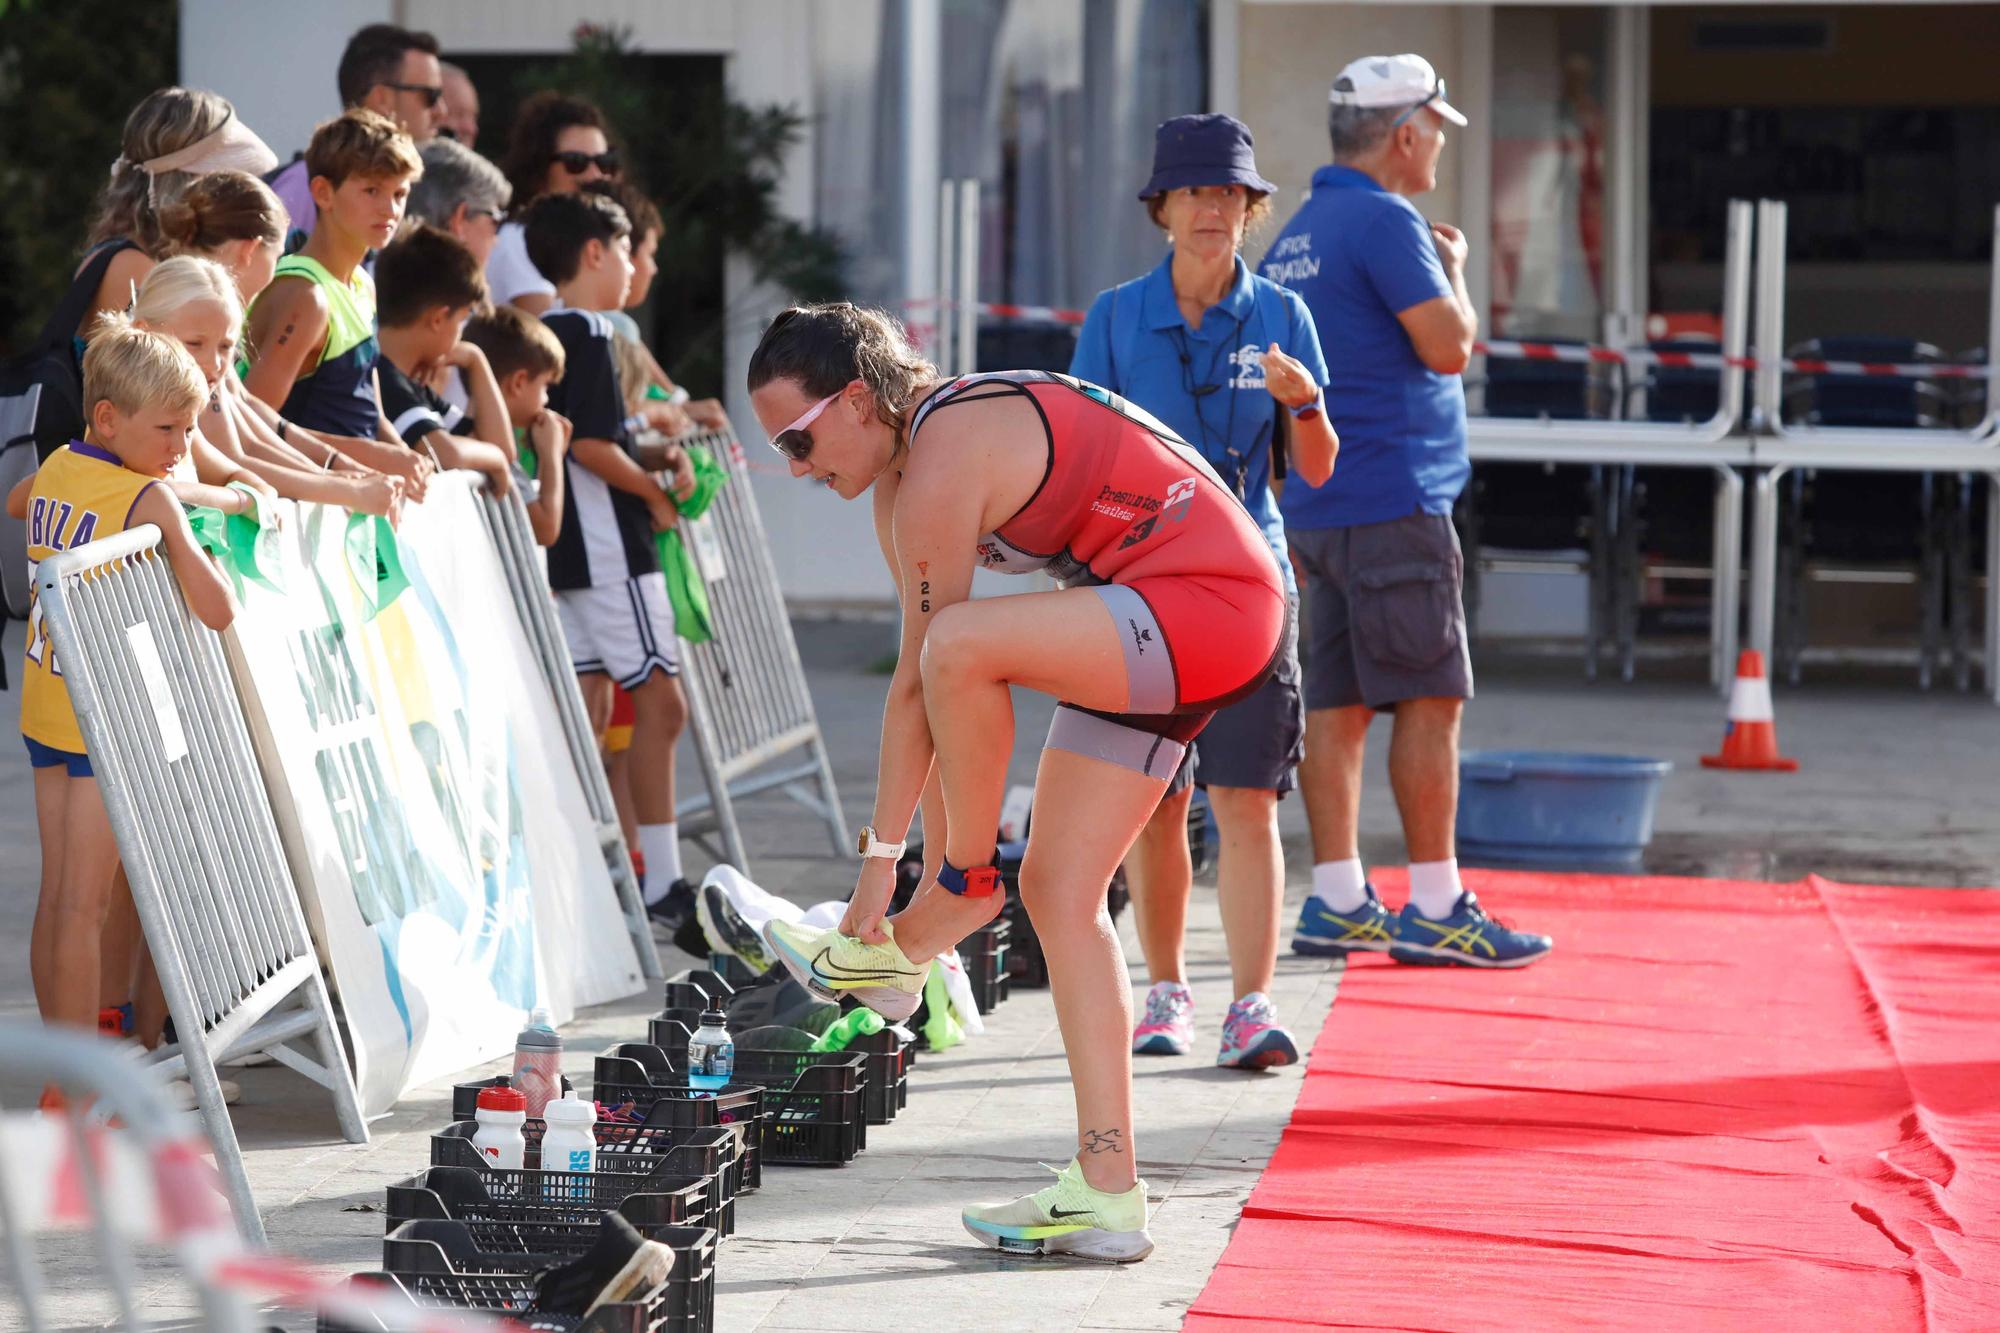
827, 963
1069, 1217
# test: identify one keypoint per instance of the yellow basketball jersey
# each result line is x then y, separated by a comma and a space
80, 494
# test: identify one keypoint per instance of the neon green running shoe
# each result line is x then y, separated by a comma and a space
1069, 1217
827, 963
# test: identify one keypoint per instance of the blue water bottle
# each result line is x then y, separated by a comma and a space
711, 1053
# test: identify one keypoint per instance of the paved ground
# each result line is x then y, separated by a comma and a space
1896, 788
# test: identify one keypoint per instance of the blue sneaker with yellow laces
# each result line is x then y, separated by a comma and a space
1325, 933
1466, 938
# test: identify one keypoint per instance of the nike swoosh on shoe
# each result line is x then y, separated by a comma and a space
824, 965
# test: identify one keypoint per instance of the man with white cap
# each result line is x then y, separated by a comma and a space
1374, 546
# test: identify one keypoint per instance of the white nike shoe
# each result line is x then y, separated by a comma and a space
827, 963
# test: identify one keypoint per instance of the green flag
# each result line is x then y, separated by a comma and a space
374, 561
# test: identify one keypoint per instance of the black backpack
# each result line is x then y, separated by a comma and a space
41, 409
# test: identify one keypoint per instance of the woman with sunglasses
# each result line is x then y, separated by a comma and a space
1231, 361
1172, 606
558, 145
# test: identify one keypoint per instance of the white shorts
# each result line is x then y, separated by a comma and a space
623, 630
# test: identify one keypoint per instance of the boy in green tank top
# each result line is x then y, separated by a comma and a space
312, 343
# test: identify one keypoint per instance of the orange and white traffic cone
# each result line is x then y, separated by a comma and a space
1752, 738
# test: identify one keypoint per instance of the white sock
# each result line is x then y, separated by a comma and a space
1341, 885
660, 844
1434, 887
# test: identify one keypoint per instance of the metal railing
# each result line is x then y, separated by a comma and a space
755, 728
506, 519
187, 804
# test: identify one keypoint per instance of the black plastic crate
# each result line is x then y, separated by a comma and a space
794, 1103
459, 1194
984, 953
731, 969
888, 1058
678, 1106
682, 1139
631, 1138
697, 988
709, 1153
887, 1063
659, 1153
813, 1103
437, 1264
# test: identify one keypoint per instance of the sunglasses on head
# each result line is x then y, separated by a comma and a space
1437, 94
795, 441
432, 93
578, 163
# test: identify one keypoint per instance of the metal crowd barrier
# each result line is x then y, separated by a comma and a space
754, 724
506, 519
187, 805
1780, 447
1714, 444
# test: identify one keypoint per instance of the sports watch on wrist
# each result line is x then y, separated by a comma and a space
871, 845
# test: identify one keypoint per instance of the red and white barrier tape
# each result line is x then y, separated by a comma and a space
1588, 353
1641, 356
172, 1195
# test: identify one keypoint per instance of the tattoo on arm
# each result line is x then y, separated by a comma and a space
1103, 1140
923, 586
285, 337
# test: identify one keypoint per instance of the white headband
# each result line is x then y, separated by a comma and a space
233, 146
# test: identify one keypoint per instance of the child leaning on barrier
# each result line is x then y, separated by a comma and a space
604, 565
194, 301
647, 382
233, 219
526, 358
429, 284
141, 393
312, 346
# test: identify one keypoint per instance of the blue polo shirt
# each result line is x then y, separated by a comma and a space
1132, 343
1360, 256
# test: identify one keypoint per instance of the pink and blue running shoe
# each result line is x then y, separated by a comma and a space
1168, 1026
1252, 1037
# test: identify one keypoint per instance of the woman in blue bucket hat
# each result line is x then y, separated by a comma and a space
1231, 362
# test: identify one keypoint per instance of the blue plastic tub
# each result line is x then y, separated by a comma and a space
1540, 808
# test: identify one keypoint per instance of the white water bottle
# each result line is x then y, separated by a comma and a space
568, 1144
500, 1114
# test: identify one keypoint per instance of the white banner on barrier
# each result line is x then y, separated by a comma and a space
440, 839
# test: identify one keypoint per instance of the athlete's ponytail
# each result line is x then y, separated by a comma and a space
824, 347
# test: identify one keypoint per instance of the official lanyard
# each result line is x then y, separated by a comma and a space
1237, 462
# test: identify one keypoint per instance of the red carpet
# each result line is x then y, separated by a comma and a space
1715, 1106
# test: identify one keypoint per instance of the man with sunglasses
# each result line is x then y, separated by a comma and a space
1374, 547
391, 71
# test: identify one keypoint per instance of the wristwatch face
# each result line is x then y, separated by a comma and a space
862, 842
